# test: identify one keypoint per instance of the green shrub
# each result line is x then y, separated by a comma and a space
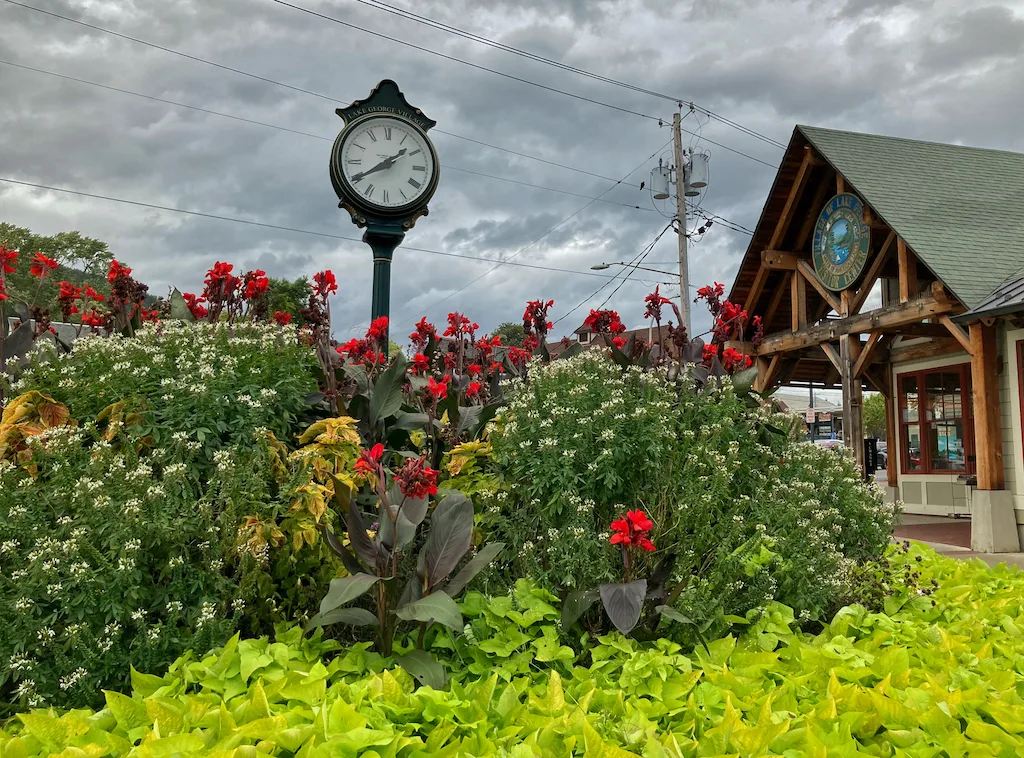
107, 557
216, 383
751, 515
937, 676
577, 444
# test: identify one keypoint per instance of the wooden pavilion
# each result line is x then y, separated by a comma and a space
936, 231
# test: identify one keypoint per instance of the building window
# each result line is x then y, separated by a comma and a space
936, 421
584, 337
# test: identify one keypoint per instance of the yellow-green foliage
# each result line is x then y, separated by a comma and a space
937, 676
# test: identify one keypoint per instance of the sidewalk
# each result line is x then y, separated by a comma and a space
950, 537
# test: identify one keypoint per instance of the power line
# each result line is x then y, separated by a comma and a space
561, 223
452, 58
295, 131
402, 13
346, 102
293, 87
632, 261
287, 228
633, 269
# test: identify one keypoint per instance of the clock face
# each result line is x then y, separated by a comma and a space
841, 242
388, 163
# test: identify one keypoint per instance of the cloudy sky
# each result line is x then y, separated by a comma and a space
942, 70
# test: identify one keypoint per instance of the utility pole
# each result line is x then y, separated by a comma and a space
684, 270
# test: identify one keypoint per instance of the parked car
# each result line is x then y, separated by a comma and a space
883, 455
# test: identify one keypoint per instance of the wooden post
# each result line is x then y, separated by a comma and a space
799, 301
892, 437
853, 418
908, 271
988, 434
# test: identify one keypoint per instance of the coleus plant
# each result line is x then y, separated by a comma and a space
374, 557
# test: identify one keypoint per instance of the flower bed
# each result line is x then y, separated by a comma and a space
936, 675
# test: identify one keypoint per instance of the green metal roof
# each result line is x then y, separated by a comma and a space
960, 209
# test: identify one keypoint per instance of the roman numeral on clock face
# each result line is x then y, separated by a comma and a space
369, 191
370, 132
355, 161
419, 168
385, 196
387, 132
414, 183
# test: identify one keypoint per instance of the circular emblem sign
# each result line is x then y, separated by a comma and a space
841, 242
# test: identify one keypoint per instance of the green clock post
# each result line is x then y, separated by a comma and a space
384, 169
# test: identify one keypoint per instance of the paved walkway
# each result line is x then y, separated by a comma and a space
950, 537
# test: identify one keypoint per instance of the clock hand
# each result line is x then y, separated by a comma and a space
386, 163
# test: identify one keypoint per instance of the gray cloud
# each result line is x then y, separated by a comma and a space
921, 68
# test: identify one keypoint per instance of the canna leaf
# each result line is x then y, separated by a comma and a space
424, 668
437, 606
476, 564
623, 603
451, 535
346, 589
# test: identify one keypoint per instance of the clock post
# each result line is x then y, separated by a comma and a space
384, 170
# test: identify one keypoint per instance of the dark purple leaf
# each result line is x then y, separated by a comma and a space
367, 550
623, 603
476, 564
576, 604
451, 534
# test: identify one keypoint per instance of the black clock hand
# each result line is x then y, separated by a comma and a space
386, 163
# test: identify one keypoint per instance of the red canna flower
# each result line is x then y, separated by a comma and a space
460, 326
256, 284
42, 265
733, 359
420, 363
3, 291
378, 329
531, 342
633, 530
7, 259
604, 322
619, 342
473, 390
417, 480
437, 390
423, 333
281, 318
93, 318
67, 295
91, 294
654, 302
194, 304
535, 318
325, 283
369, 460
474, 369
117, 270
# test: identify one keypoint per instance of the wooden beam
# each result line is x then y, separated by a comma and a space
832, 354
777, 260
798, 302
866, 353
808, 272
777, 298
958, 332
908, 271
755, 289
918, 330
988, 435
771, 372
891, 436
812, 218
872, 275
853, 398
746, 348
875, 378
933, 349
794, 193
840, 184
920, 308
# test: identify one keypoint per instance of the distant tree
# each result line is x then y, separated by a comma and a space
874, 415
82, 260
289, 297
511, 333
394, 348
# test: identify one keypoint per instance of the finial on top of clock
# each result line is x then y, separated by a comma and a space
384, 97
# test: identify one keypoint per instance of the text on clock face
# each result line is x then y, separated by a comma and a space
387, 162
